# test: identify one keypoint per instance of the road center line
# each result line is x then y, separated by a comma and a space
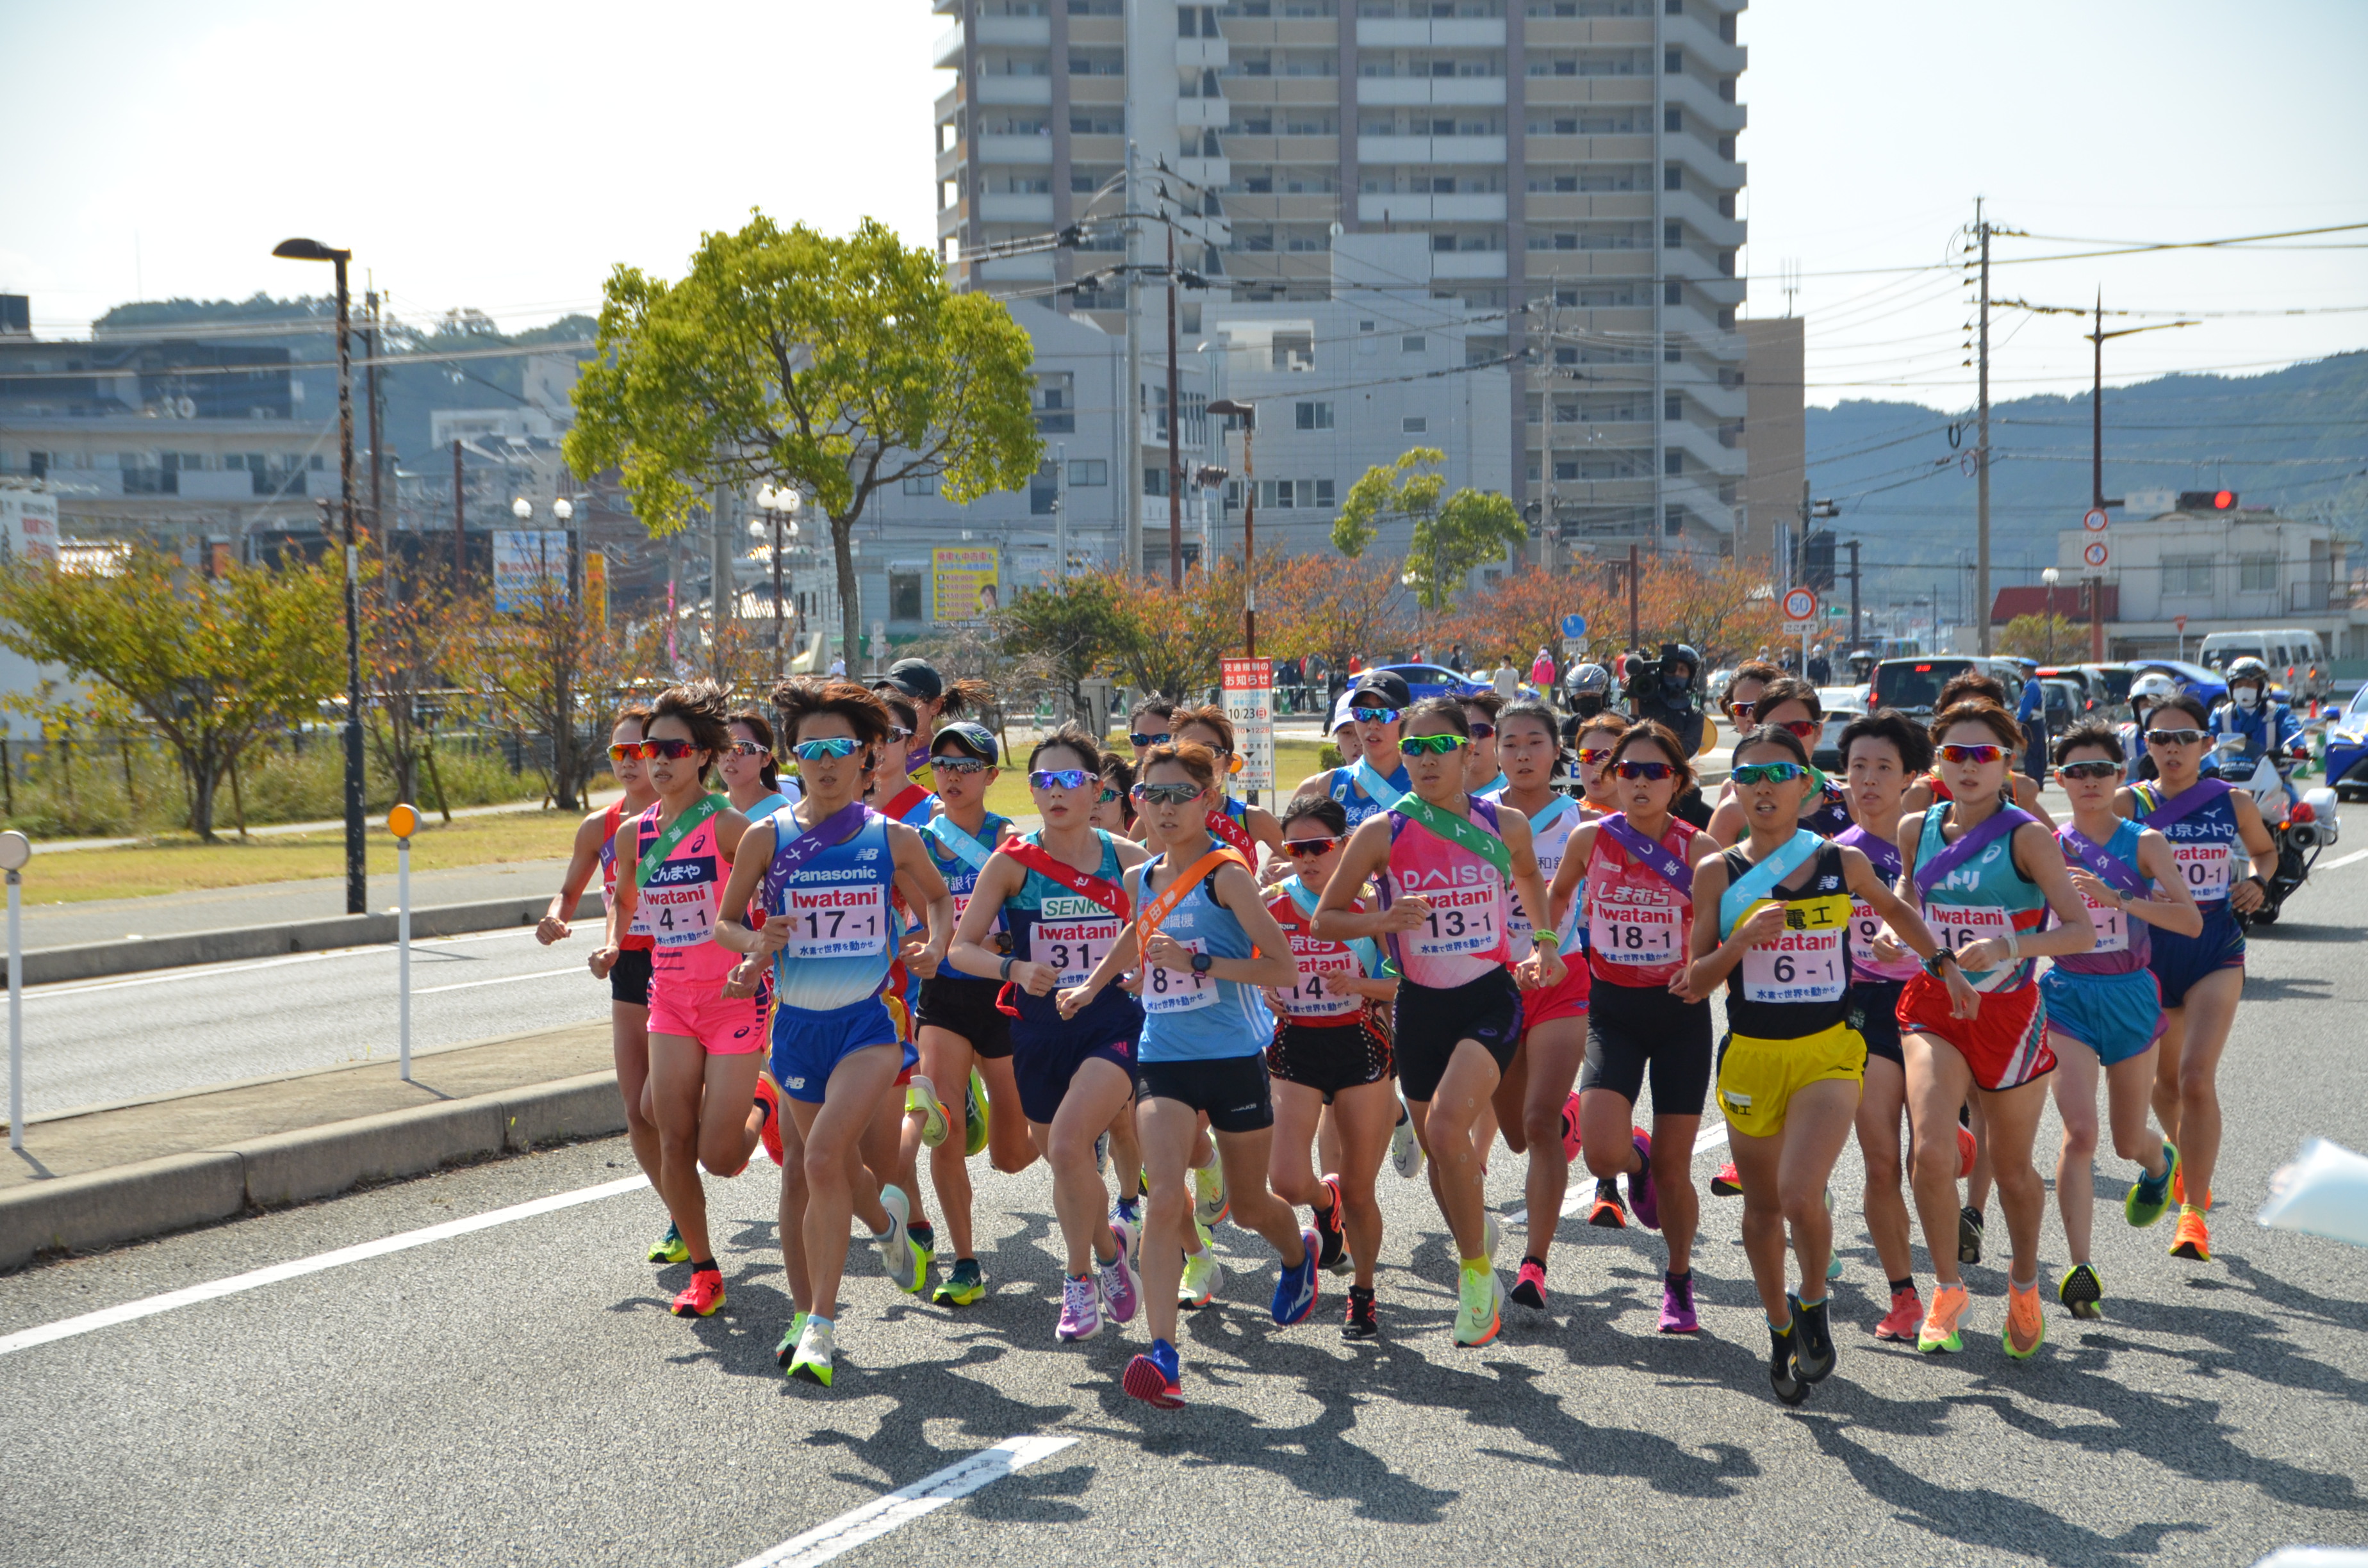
131, 1312
2342, 860
905, 1504
498, 980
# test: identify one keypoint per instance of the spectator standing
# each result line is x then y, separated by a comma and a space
1542, 671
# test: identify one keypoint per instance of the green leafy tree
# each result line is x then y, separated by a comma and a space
211, 665
1077, 627
790, 357
1405, 491
1471, 529
2051, 639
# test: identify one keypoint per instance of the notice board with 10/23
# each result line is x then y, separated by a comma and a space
1248, 686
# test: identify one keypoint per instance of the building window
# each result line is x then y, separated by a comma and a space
1673, 461
1673, 521
1324, 492
1413, 343
905, 596
1673, 178
1415, 424
1155, 482
2187, 574
1315, 415
1088, 470
926, 484
1673, 292
1673, 119
1672, 354
1673, 236
2257, 573
1673, 407
1673, 62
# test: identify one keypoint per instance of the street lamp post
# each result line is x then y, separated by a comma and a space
1247, 412
2048, 579
356, 869
781, 505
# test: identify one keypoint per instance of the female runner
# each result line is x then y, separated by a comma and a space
1985, 876
1369, 785
2203, 976
1483, 771
821, 872
626, 969
1206, 945
1443, 860
1775, 927
1058, 892
1594, 740
1247, 828
1331, 1049
705, 1047
2107, 1002
1790, 705
1644, 1018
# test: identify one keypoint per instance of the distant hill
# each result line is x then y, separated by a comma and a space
2295, 439
411, 392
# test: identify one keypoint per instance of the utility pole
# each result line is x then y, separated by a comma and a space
459, 534
2097, 338
1851, 545
1130, 437
1635, 562
1175, 436
377, 517
1982, 451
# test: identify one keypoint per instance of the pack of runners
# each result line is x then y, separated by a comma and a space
1486, 924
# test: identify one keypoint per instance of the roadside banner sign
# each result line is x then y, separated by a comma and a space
1249, 703
1800, 604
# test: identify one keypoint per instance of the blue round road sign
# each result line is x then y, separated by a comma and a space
1574, 625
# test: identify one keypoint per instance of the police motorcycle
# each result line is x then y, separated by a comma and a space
2256, 745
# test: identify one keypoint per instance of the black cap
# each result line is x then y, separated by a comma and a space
1387, 685
916, 678
977, 738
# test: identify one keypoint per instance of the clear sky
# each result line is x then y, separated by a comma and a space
504, 156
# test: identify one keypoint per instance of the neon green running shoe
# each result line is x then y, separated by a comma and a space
812, 1361
1204, 1277
787, 1349
1480, 1300
921, 1096
670, 1247
2148, 1198
974, 1114
965, 1287
1210, 1205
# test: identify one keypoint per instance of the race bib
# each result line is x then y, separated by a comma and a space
2112, 929
1799, 966
1864, 926
1637, 934
676, 909
1960, 926
1461, 921
1074, 947
1517, 925
1168, 990
828, 922
1313, 996
2206, 866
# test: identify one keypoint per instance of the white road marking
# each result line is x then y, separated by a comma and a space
131, 1312
1716, 1138
194, 973
905, 1504
499, 980
2342, 861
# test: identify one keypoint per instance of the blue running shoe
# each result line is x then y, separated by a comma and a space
1295, 1293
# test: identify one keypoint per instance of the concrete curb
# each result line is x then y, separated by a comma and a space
96, 960
103, 1209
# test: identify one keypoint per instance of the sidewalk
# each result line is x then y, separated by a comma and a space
285, 829
117, 1174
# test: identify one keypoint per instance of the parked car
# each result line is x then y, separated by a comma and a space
1841, 704
1438, 680
1913, 685
2067, 703
2204, 683
2347, 748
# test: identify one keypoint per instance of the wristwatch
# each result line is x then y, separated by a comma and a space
1200, 963
1932, 965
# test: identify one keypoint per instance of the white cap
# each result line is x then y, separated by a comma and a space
1340, 714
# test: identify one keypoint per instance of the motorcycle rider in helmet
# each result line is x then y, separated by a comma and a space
2268, 728
1589, 688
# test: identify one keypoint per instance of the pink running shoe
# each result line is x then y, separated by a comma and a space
1081, 1309
1530, 1285
1906, 1315
1570, 1127
1119, 1292
1642, 1200
1678, 1304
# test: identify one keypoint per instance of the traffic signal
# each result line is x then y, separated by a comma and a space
2207, 500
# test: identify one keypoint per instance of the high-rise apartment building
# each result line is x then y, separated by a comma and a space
1570, 165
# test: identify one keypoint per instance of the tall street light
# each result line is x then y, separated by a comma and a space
1246, 413
357, 872
781, 505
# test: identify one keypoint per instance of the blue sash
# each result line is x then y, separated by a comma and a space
1754, 884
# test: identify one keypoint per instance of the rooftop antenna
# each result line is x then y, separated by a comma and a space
1789, 279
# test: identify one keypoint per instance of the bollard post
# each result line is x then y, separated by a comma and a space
16, 851
402, 822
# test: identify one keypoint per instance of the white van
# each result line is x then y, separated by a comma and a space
2281, 648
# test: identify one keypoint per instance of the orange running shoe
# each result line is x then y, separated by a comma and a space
2193, 1239
702, 1295
1899, 1323
2179, 1189
2026, 1327
1942, 1319
1728, 1183
1967, 1152
768, 1099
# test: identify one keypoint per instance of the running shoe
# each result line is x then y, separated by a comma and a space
1530, 1285
1122, 1291
1295, 1291
1492, 1237
1938, 1331
1203, 1278
1081, 1309
1101, 1155
1361, 1322
1405, 1150
788, 1348
1728, 1183
768, 1131
1210, 1205
1789, 1388
974, 1115
964, 1287
1967, 1152
1156, 1377
702, 1296
812, 1361
1899, 1322
2148, 1196
1834, 1253
1812, 1340
2179, 1189
669, 1248
1570, 1144
1479, 1298
898, 1256
1641, 1196
2025, 1325
1127, 1221
1678, 1304
922, 1095
1969, 1235
1327, 1225
1608, 1212
2082, 1291
2194, 1238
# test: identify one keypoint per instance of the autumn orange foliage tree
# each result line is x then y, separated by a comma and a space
1726, 612
1333, 606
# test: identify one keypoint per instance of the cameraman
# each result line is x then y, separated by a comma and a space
1662, 690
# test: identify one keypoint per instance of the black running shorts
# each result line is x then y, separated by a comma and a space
1432, 1023
1633, 1031
1233, 1090
964, 1005
1329, 1058
629, 977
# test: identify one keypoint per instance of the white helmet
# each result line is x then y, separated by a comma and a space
1340, 714
2152, 690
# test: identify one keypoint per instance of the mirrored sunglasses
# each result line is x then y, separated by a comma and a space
1653, 770
1433, 745
1165, 794
1307, 848
836, 746
1059, 779
1751, 773
1977, 754
2098, 769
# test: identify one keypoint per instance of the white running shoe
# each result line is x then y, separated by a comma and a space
895, 1255
1406, 1152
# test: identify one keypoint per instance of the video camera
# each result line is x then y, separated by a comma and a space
1652, 687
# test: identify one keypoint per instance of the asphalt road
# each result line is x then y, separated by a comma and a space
92, 1042
519, 1395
